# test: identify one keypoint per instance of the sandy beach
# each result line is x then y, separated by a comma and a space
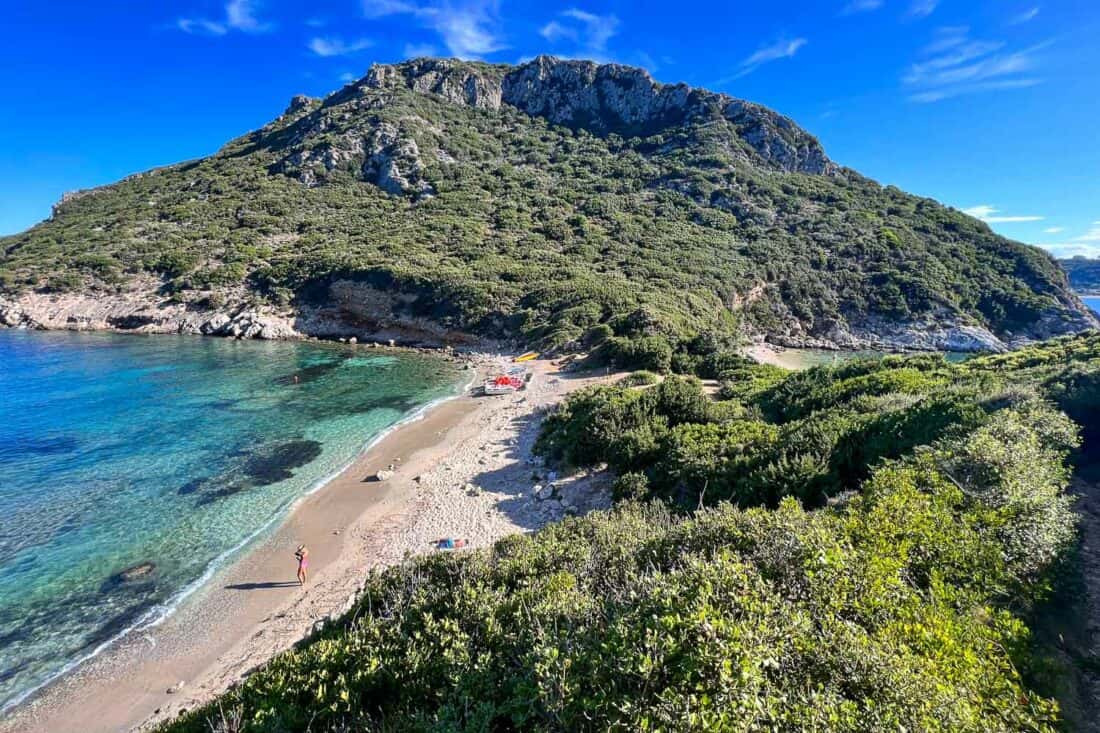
464, 470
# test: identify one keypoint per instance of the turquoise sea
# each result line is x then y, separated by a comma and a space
121, 450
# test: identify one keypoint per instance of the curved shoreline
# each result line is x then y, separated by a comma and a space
249, 610
161, 612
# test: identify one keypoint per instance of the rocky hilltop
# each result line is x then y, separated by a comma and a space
607, 99
551, 203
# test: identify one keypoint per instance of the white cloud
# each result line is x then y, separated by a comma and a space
861, 6
954, 64
240, 15
989, 215
382, 8
923, 8
347, 77
647, 62
201, 26
337, 46
468, 28
598, 28
416, 50
555, 31
589, 32
1066, 250
783, 49
1086, 245
1093, 234
1054, 230
1025, 17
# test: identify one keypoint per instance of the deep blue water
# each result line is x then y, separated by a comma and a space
122, 450
1092, 301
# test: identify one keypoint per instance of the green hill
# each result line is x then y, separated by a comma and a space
875, 549
531, 203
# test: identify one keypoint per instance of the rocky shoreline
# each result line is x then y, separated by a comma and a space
138, 312
363, 315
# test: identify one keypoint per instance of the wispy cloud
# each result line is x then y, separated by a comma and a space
647, 62
922, 8
1025, 17
861, 6
1093, 234
1086, 245
382, 8
416, 50
468, 28
991, 215
338, 47
1054, 230
589, 32
954, 64
555, 31
782, 49
240, 15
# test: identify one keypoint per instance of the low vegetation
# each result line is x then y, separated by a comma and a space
854, 549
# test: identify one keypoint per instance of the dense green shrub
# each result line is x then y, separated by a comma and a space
650, 353
881, 617
640, 379
898, 609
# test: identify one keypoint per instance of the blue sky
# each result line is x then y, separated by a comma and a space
991, 106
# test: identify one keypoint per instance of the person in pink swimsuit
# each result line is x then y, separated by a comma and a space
303, 562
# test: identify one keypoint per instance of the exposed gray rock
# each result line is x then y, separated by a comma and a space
451, 80
393, 162
135, 572
606, 98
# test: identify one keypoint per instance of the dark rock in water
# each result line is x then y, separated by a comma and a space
135, 572
191, 486
262, 466
273, 465
7, 674
43, 446
117, 624
136, 576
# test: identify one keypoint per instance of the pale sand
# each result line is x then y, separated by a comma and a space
254, 609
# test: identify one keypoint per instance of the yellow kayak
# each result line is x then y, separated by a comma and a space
526, 357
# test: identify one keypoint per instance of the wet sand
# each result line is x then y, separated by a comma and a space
464, 470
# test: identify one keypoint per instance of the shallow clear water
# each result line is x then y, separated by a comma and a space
122, 450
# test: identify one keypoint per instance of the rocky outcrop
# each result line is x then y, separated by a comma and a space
935, 332
140, 311
353, 312
382, 154
393, 162
604, 99
454, 81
